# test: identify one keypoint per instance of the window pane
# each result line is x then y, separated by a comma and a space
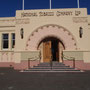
13, 43
13, 36
5, 41
5, 36
5, 44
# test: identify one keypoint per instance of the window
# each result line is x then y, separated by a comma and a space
13, 40
5, 41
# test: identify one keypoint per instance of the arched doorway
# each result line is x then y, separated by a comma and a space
66, 39
51, 30
51, 49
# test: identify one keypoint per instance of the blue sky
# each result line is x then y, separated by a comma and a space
8, 7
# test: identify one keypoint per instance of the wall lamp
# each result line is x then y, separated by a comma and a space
22, 33
80, 32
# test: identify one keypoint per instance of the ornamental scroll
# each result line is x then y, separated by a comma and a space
23, 21
80, 19
7, 20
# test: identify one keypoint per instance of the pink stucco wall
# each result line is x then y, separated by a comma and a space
51, 31
78, 64
24, 64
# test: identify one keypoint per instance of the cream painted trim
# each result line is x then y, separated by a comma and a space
6, 51
77, 50
7, 31
6, 26
26, 51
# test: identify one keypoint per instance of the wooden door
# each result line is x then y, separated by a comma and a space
47, 51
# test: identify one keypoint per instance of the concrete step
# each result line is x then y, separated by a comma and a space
56, 67
52, 70
53, 66
52, 63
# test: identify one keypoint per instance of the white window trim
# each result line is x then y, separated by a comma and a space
2, 43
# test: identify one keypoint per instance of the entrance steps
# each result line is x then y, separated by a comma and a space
52, 67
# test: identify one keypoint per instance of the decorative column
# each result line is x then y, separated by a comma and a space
10, 42
0, 41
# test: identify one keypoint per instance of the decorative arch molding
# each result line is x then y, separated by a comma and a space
51, 30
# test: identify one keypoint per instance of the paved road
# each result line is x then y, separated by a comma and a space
14, 80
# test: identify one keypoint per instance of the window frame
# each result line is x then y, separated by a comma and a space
5, 40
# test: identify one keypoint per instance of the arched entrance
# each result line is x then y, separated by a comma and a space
65, 37
52, 49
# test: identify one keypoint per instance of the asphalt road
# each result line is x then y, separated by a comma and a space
15, 80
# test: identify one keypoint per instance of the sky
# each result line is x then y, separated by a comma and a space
8, 7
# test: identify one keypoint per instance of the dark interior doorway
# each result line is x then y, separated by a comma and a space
55, 50
50, 49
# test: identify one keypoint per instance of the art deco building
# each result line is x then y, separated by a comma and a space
44, 35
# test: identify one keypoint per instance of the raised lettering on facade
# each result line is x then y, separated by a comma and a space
50, 13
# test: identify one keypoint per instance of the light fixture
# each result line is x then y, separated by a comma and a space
22, 33
80, 32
